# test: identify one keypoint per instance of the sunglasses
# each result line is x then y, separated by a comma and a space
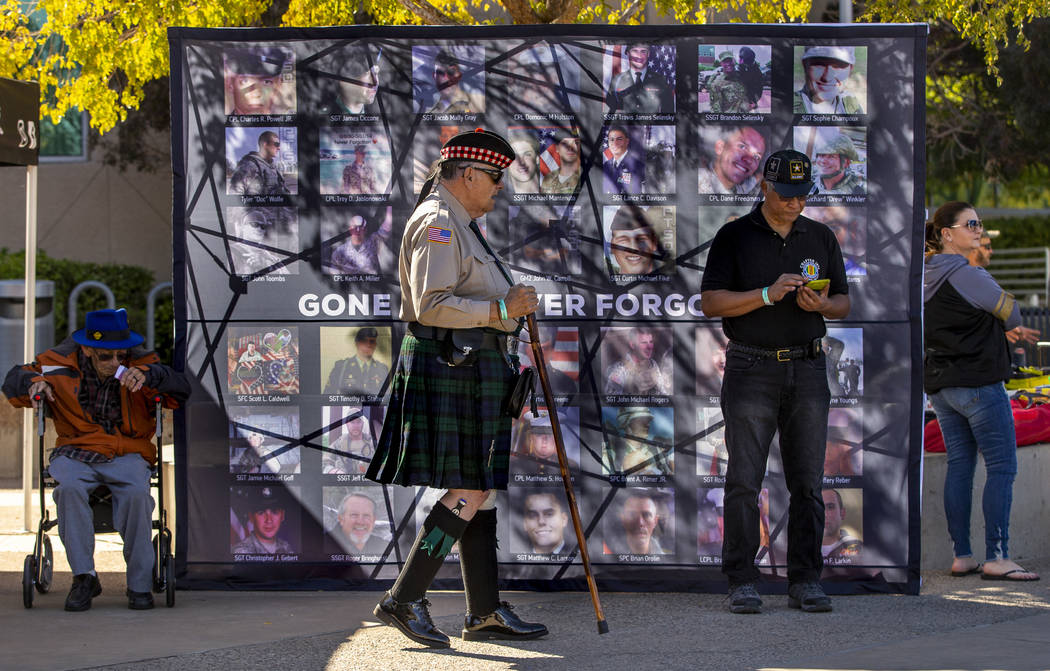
496, 175
972, 224
110, 354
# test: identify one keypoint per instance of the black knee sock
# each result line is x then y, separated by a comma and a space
435, 538
479, 563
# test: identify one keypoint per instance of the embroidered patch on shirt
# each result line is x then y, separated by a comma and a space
440, 235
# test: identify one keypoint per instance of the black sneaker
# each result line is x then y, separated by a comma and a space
85, 588
744, 599
139, 600
809, 596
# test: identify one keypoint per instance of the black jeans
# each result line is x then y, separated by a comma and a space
760, 396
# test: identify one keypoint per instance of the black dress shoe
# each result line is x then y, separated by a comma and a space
140, 600
85, 588
503, 624
412, 618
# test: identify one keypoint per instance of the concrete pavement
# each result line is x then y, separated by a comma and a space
955, 623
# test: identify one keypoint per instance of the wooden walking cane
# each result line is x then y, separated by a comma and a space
563, 463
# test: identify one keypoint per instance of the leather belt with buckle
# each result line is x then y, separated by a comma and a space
808, 351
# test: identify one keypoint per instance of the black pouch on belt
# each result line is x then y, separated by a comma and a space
460, 346
524, 383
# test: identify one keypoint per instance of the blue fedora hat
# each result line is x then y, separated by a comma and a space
107, 329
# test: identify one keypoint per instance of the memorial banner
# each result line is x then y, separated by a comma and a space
298, 155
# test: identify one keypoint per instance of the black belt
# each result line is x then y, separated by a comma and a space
810, 351
491, 339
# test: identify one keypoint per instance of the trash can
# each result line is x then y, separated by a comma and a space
12, 318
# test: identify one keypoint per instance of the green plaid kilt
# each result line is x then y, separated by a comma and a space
445, 426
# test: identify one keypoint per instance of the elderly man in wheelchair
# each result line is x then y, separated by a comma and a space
99, 386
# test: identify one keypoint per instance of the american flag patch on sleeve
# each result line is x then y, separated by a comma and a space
438, 234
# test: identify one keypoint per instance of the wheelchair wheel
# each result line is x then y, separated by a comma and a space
161, 554
46, 568
28, 573
169, 581
158, 586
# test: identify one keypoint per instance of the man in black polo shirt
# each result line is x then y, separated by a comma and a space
775, 374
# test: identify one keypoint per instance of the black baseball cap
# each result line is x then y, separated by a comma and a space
790, 172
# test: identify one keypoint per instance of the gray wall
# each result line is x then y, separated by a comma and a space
92, 212
1028, 516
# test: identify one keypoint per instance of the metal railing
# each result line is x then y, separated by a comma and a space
1024, 272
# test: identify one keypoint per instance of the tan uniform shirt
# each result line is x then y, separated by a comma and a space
447, 278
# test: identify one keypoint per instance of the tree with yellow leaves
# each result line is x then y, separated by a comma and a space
98, 55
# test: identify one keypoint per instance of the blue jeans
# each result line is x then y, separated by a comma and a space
978, 419
760, 396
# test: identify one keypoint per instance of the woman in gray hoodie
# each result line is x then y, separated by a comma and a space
967, 319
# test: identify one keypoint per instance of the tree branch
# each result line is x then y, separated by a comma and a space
520, 11
429, 12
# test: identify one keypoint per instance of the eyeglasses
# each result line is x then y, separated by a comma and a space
972, 224
496, 175
110, 354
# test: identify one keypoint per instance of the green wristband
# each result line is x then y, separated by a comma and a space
502, 309
765, 296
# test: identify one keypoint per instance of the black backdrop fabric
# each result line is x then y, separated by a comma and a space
282, 291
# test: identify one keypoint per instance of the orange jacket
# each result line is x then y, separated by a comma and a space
60, 368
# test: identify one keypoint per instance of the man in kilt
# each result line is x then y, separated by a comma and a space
446, 426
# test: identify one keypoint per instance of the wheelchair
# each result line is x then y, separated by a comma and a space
38, 569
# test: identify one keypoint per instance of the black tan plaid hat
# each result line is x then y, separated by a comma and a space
479, 145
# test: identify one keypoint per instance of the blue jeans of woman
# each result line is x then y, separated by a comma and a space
978, 419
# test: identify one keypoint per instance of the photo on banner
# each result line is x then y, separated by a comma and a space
844, 350
541, 528
840, 158
449, 79
265, 240
850, 225
262, 360
264, 441
640, 242
830, 79
731, 161
355, 160
544, 242
638, 444
259, 80
355, 362
356, 524
534, 457
639, 159
262, 161
265, 523
639, 78
356, 73
640, 527
637, 361
357, 243
541, 78
735, 78
349, 439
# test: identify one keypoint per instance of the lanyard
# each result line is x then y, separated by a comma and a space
485, 243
